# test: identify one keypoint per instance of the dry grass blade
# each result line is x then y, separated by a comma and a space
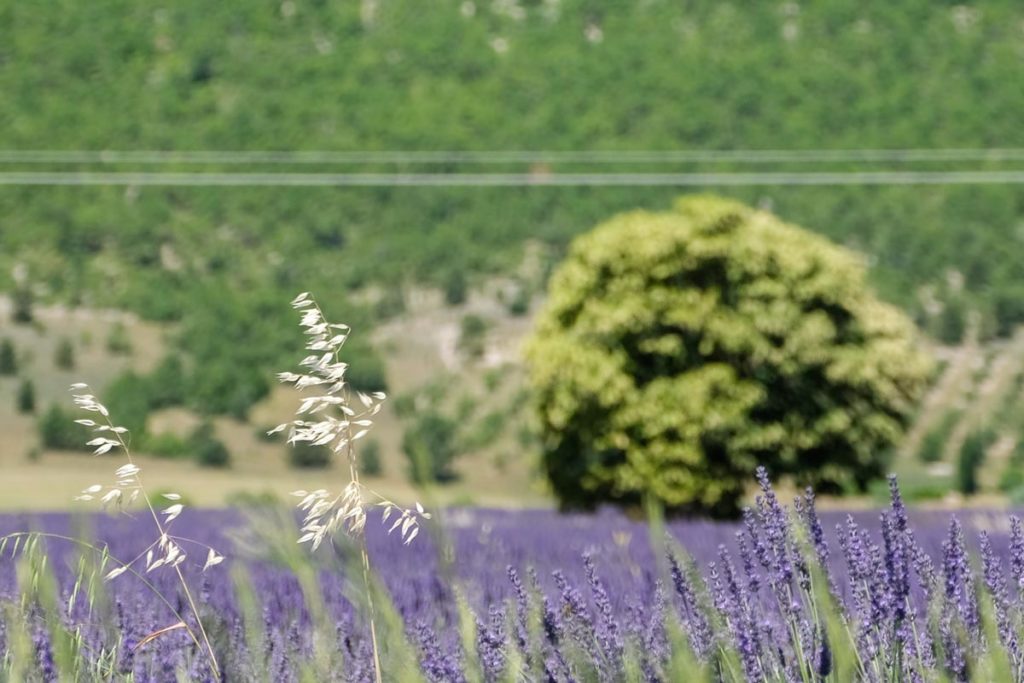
156, 634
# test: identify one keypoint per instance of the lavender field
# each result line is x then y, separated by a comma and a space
533, 596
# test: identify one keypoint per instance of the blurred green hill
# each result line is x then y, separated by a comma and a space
501, 75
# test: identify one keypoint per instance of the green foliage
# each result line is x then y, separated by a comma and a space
518, 302
455, 287
369, 458
951, 323
906, 76
1011, 481
679, 350
23, 312
390, 304
925, 492
64, 355
8, 357
230, 341
250, 499
166, 445
58, 430
1012, 478
132, 397
1016, 495
118, 341
493, 378
128, 399
429, 444
971, 457
307, 456
466, 407
366, 371
486, 430
26, 397
166, 386
933, 445
404, 405
471, 335
209, 451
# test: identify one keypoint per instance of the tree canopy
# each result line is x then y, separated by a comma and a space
679, 350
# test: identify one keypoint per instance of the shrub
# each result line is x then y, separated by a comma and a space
166, 445
972, 455
455, 287
404, 405
952, 321
166, 385
58, 430
118, 341
486, 430
128, 397
466, 407
471, 335
429, 444
1013, 476
26, 397
23, 305
209, 451
369, 458
366, 371
1012, 479
390, 304
933, 445
519, 302
305, 455
8, 358
493, 378
64, 356
679, 349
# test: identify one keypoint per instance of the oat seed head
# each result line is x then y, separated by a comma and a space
127, 489
333, 419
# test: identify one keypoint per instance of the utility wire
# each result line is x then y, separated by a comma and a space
202, 179
506, 157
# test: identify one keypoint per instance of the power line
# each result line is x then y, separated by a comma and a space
202, 179
154, 157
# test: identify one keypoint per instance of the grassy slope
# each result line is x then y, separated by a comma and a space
420, 354
981, 385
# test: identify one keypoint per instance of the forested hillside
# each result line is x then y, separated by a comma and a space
447, 75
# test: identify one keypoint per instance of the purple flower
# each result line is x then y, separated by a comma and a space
606, 627
693, 619
960, 608
1017, 554
731, 601
490, 642
995, 582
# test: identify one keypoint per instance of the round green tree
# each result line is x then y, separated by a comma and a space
679, 350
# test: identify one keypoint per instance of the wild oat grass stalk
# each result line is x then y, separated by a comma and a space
166, 551
341, 420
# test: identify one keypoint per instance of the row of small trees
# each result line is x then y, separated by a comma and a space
63, 357
58, 431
